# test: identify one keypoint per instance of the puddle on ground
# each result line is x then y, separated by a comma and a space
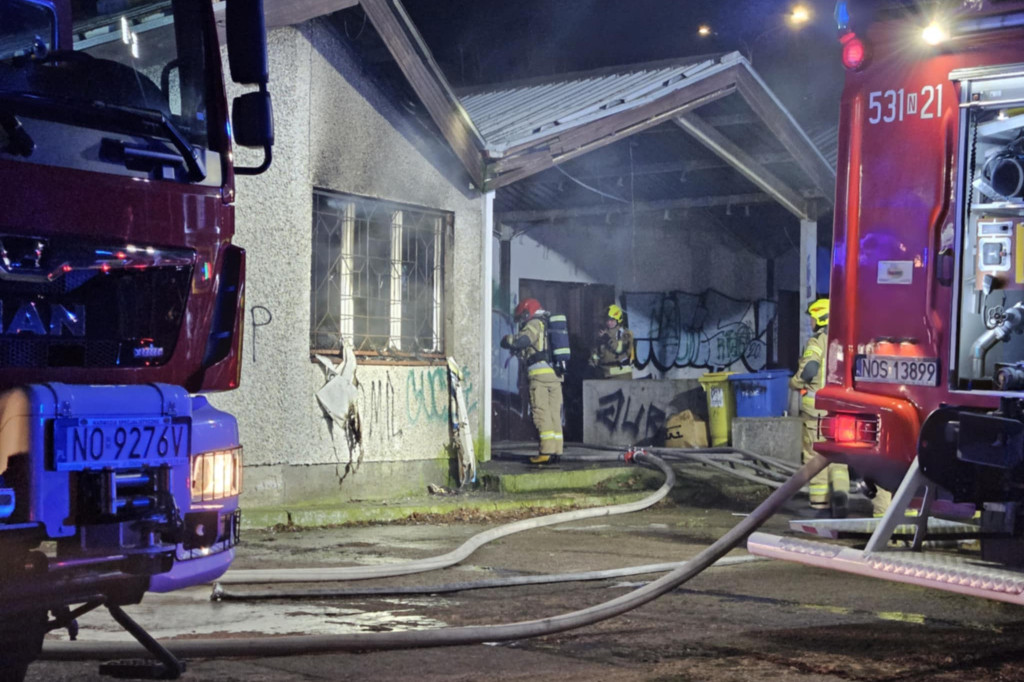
189, 613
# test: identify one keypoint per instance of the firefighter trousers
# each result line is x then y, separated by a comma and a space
833, 478
546, 404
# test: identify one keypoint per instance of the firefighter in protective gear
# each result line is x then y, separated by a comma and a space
614, 353
830, 488
530, 344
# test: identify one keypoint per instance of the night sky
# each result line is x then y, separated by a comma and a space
491, 41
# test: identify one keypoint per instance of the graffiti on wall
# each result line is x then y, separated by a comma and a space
426, 396
504, 365
708, 330
380, 411
619, 413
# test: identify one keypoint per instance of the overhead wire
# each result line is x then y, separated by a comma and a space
586, 186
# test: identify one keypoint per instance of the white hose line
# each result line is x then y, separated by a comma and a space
726, 469
331, 574
474, 634
510, 581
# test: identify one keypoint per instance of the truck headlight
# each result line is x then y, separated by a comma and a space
216, 475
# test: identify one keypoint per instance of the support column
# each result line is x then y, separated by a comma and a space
504, 235
486, 340
772, 340
808, 275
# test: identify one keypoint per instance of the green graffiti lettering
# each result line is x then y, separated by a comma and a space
427, 396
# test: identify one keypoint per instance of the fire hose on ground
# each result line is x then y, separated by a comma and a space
722, 458
460, 553
702, 456
476, 634
220, 594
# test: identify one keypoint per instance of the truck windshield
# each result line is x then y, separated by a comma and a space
141, 56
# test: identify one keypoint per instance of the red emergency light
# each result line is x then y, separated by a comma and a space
854, 52
850, 428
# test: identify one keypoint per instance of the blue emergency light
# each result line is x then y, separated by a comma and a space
842, 15
6, 502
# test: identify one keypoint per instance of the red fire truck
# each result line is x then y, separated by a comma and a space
925, 377
121, 301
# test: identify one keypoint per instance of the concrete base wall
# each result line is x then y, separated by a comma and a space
285, 484
778, 437
624, 412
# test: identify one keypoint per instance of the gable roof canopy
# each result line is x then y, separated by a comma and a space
510, 132
531, 127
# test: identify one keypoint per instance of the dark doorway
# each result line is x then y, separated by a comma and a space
789, 329
584, 305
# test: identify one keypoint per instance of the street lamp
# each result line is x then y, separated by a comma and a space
798, 16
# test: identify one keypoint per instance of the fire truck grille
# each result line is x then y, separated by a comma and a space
94, 319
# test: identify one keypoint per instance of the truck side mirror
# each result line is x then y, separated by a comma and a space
252, 120
252, 114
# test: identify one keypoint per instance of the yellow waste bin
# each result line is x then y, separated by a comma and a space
721, 405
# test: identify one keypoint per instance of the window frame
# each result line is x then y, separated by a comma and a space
349, 249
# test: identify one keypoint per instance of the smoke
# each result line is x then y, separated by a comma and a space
478, 42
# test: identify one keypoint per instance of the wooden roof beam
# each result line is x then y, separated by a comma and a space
764, 103
406, 45
683, 167
278, 13
747, 166
544, 215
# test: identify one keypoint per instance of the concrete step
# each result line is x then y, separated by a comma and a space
944, 571
512, 473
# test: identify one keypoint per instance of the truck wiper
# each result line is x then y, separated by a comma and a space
104, 116
19, 142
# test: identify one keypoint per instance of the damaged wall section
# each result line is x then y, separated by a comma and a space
338, 129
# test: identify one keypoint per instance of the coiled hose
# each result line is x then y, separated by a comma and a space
474, 634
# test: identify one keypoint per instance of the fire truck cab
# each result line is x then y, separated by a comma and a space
924, 389
121, 302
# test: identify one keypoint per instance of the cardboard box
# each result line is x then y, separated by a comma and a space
683, 430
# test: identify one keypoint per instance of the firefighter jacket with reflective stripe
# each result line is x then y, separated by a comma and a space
814, 352
531, 344
614, 349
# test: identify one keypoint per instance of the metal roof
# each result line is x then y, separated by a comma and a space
512, 117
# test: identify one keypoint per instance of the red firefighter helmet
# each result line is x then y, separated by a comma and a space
526, 309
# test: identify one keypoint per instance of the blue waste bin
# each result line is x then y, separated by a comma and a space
761, 394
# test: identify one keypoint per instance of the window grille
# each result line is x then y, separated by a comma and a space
377, 279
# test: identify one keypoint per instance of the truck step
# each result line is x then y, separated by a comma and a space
835, 529
964, 575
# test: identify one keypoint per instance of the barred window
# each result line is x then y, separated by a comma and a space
377, 279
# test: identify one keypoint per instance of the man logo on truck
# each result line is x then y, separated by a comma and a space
43, 320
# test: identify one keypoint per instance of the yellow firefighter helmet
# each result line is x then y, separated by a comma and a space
615, 312
819, 312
